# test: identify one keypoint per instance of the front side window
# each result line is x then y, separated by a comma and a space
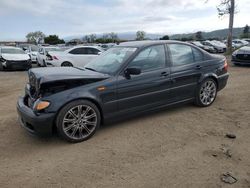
150, 58
198, 56
92, 51
181, 54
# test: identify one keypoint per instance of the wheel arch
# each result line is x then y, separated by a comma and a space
66, 61
212, 76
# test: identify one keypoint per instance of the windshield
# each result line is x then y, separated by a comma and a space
53, 49
12, 51
110, 61
34, 48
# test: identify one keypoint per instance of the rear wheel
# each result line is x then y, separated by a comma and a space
67, 64
78, 121
1, 66
206, 93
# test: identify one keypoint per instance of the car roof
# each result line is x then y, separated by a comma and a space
145, 43
82, 46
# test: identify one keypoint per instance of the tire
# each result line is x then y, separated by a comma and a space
67, 64
206, 93
1, 66
75, 127
44, 64
38, 64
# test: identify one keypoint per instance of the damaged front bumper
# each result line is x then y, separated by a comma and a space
39, 124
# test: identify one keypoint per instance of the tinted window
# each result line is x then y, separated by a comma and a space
198, 56
92, 51
181, 54
150, 58
78, 51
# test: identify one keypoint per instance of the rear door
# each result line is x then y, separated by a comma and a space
151, 87
186, 70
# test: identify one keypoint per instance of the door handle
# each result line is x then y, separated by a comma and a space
198, 67
164, 74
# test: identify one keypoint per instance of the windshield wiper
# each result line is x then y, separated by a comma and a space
90, 69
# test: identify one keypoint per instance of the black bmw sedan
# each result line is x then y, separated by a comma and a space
241, 56
131, 78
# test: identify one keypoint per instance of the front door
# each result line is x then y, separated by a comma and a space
148, 89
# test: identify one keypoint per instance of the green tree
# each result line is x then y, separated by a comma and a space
53, 39
198, 35
246, 33
35, 37
140, 35
165, 37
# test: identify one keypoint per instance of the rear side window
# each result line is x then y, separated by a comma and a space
198, 56
181, 54
78, 51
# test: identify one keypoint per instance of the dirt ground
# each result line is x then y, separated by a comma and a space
178, 147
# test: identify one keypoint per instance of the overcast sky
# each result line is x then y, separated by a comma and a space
79, 17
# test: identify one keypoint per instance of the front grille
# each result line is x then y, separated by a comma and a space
243, 57
18, 64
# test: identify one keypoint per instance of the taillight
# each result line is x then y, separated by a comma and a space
54, 57
225, 65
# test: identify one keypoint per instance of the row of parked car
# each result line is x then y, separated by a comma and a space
24, 55
214, 46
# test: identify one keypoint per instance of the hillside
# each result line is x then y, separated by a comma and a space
131, 35
221, 34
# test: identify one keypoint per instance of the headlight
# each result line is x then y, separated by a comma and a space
41, 105
2, 59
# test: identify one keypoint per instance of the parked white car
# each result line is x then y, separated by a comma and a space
42, 54
77, 56
14, 58
239, 43
32, 51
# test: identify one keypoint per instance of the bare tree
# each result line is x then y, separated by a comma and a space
113, 36
35, 37
227, 7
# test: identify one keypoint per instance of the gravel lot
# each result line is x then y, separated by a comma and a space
178, 147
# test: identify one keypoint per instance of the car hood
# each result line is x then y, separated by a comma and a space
244, 50
15, 57
51, 74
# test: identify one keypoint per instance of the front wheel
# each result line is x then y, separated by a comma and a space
206, 93
78, 121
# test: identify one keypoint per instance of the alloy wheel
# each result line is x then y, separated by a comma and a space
79, 122
208, 92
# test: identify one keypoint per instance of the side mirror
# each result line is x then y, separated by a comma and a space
99, 53
132, 71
